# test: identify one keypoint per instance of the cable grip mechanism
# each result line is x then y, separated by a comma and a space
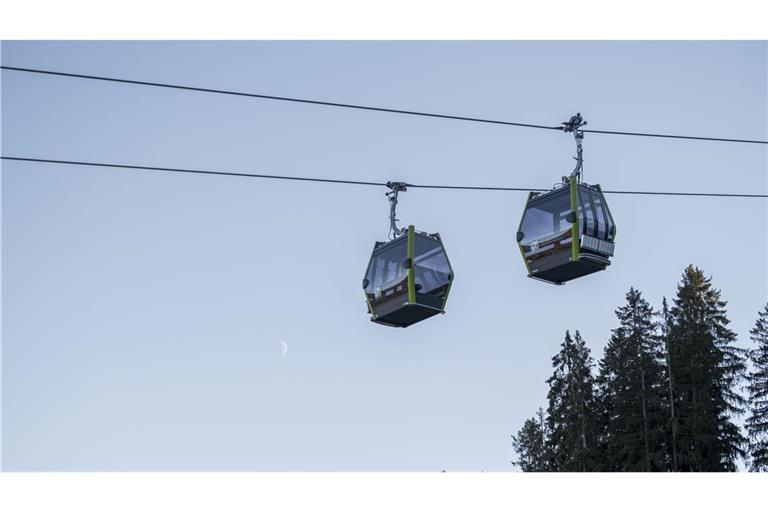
394, 188
572, 126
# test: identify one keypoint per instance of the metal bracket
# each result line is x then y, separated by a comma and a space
572, 126
394, 188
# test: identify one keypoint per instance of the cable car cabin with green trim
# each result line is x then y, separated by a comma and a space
408, 279
566, 233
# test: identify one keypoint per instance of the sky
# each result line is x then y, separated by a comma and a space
143, 312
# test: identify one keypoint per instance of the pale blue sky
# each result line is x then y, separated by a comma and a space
143, 312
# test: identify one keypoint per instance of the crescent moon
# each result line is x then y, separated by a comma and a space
285, 347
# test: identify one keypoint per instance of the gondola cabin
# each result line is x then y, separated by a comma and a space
566, 233
408, 279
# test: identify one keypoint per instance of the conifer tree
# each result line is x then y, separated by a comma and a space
572, 414
670, 377
632, 390
707, 369
757, 422
530, 444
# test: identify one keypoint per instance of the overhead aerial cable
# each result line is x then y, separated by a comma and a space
242, 174
364, 107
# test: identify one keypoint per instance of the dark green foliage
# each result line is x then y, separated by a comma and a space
572, 412
633, 390
530, 446
757, 422
665, 397
707, 368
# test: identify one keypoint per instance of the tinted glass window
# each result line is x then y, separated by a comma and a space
430, 265
387, 268
546, 218
589, 215
610, 220
601, 223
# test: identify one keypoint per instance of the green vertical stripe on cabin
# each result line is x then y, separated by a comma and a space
575, 226
411, 271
